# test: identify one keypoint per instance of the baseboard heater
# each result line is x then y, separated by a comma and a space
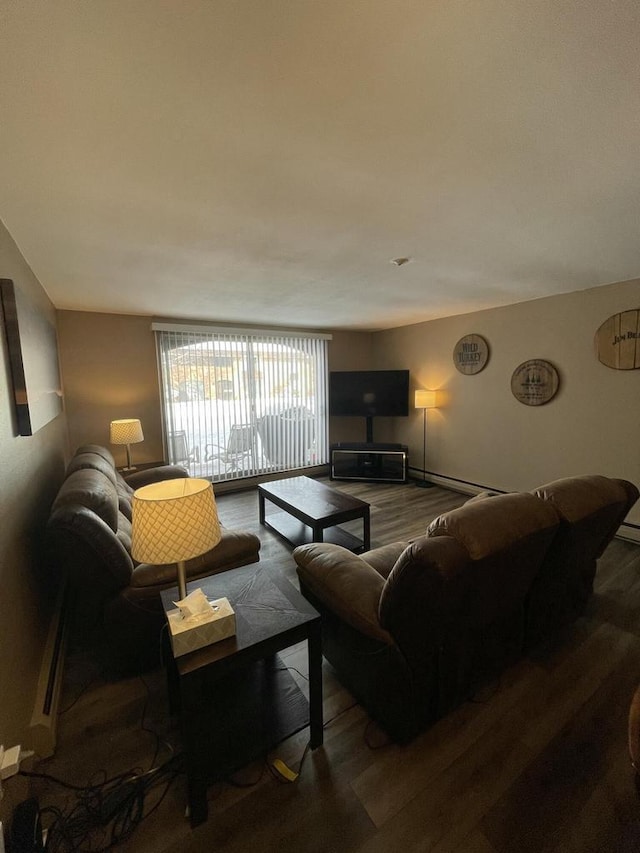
44, 720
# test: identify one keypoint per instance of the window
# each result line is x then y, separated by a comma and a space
238, 403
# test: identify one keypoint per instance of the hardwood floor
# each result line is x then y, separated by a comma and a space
537, 762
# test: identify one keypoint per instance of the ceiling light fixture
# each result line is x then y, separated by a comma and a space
399, 262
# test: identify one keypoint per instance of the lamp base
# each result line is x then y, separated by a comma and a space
424, 484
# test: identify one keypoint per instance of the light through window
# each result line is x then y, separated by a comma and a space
239, 403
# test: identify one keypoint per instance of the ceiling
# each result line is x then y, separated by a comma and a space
264, 160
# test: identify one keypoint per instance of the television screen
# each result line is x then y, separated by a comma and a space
367, 393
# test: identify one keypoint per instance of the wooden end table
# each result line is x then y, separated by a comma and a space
235, 697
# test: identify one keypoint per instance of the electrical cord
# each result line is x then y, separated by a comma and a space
144, 728
83, 690
108, 812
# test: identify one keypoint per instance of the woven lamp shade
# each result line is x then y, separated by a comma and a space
426, 400
126, 431
173, 521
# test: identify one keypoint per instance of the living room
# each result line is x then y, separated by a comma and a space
479, 437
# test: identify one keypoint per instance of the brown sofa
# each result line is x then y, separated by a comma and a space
114, 600
413, 629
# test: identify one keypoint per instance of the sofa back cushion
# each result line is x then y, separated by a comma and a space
90, 488
489, 526
88, 459
591, 509
100, 450
88, 537
596, 504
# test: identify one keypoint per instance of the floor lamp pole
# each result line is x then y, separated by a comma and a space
424, 401
424, 448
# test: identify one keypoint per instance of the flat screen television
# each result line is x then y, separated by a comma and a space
369, 393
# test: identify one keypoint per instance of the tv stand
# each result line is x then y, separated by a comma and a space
383, 463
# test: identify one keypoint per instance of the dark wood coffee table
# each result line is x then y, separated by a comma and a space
311, 513
236, 698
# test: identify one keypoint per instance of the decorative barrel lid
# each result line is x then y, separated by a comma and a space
535, 382
618, 341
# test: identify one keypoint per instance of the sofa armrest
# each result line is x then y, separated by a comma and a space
383, 559
236, 548
345, 583
155, 475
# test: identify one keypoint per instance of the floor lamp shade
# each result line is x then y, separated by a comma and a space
425, 399
174, 521
126, 431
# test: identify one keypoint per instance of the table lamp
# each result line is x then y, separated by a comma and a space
126, 431
425, 400
174, 521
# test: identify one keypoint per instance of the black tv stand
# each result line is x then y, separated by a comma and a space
379, 462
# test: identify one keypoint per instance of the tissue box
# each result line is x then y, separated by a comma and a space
193, 633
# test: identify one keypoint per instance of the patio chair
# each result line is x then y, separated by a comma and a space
179, 451
240, 444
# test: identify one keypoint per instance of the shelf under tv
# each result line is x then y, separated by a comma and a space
372, 461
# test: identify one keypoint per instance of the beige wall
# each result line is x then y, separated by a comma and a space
31, 470
109, 371
482, 434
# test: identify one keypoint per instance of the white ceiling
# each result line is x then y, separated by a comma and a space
264, 160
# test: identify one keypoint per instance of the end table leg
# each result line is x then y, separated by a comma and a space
314, 643
197, 799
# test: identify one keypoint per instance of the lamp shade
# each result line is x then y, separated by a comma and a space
426, 399
173, 521
126, 431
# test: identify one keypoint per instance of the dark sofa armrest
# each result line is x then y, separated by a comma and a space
345, 583
155, 475
236, 548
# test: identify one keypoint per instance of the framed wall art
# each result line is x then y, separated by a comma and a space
33, 359
535, 382
470, 354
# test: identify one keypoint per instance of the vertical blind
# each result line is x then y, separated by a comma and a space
238, 403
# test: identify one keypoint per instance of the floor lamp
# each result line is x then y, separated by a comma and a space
425, 400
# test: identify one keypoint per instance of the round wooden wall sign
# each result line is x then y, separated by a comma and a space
471, 354
618, 341
535, 382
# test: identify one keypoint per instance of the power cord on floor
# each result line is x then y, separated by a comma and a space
106, 813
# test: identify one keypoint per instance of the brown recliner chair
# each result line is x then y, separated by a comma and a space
115, 601
412, 630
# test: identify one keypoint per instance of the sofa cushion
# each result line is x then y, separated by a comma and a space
482, 496
124, 533
94, 461
124, 493
101, 451
90, 488
575, 498
382, 559
488, 526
